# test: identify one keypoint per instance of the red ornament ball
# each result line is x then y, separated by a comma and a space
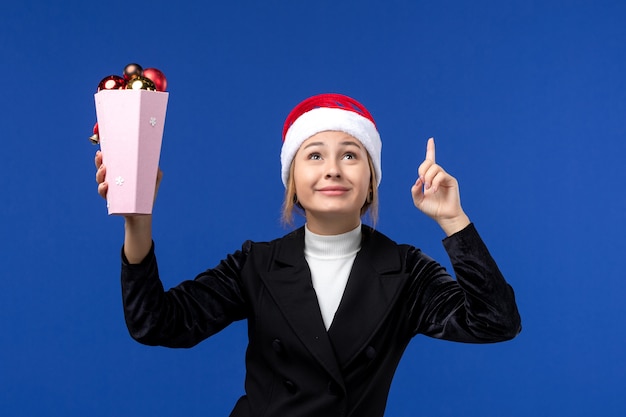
112, 82
157, 77
132, 71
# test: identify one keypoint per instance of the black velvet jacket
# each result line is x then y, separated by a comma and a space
295, 367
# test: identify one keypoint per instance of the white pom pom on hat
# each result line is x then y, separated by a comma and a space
329, 112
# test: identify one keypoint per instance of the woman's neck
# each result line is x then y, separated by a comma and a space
331, 225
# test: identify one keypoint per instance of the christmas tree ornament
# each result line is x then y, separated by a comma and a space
132, 71
157, 77
112, 82
140, 83
95, 138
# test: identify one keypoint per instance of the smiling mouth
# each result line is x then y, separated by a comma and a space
332, 191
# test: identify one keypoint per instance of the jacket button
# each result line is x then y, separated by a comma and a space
277, 345
370, 353
291, 387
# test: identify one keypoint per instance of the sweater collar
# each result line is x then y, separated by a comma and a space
332, 246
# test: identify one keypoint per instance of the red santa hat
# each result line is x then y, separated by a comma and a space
329, 112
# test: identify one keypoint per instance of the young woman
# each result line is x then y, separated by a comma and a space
331, 306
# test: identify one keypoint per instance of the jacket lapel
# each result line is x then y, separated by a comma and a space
374, 284
289, 283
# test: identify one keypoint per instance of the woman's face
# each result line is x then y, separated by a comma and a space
332, 177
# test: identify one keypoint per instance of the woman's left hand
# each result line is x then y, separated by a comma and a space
436, 194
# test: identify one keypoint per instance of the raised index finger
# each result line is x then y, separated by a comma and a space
430, 150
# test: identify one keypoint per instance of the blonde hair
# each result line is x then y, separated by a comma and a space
291, 204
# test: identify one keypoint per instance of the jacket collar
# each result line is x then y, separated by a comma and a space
373, 285
387, 258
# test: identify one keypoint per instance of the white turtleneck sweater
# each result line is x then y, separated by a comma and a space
330, 260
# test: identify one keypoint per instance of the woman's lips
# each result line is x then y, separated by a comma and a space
333, 191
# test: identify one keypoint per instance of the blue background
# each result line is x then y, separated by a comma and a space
527, 103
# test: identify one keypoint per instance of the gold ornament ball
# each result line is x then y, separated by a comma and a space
140, 83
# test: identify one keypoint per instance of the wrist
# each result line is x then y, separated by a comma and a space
455, 224
137, 221
137, 237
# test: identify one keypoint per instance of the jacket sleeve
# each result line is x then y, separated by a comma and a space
478, 307
188, 313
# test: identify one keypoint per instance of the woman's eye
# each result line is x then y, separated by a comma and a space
315, 156
349, 155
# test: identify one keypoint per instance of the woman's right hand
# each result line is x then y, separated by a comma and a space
103, 186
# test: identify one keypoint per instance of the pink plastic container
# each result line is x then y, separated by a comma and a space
130, 124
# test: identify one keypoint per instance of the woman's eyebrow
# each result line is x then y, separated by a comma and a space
345, 143
314, 144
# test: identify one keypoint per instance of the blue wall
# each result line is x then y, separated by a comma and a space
525, 99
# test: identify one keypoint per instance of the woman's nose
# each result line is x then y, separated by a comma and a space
333, 171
